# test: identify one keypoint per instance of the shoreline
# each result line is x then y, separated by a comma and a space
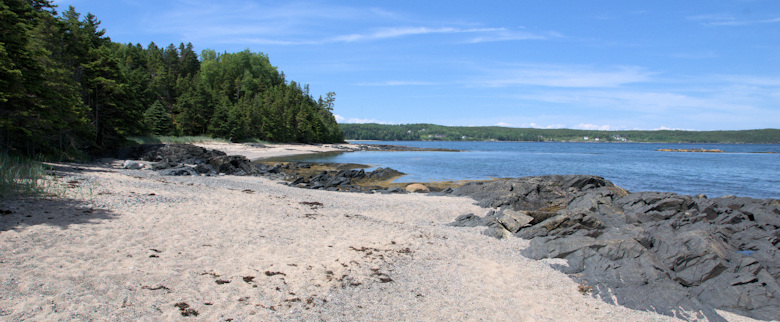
589, 141
132, 244
240, 247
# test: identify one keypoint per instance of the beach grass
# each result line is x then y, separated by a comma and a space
20, 176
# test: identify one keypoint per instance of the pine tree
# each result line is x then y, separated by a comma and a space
157, 120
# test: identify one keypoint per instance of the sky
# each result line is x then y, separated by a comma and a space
607, 65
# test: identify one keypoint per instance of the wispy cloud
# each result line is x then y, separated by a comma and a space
588, 126
396, 83
643, 102
729, 20
695, 55
298, 23
362, 120
562, 76
508, 35
342, 119
548, 126
409, 31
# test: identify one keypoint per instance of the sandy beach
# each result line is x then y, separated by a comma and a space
134, 245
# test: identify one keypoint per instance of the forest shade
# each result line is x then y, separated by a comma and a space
65, 86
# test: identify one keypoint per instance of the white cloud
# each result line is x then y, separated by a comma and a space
583, 126
362, 120
548, 126
658, 103
563, 76
339, 118
300, 23
507, 35
396, 83
491, 34
728, 20
665, 128
532, 125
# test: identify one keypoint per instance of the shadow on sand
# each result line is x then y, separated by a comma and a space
18, 212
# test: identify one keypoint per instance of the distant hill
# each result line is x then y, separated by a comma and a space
429, 132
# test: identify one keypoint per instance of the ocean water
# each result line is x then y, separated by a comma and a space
745, 170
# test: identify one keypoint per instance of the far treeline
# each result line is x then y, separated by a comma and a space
65, 86
430, 132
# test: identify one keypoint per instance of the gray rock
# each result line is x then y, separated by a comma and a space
232, 164
185, 171
497, 231
649, 250
132, 165
512, 220
468, 220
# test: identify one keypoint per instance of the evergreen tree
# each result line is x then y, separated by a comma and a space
65, 85
158, 121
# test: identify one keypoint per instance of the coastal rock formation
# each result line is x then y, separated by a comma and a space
654, 251
346, 180
190, 160
187, 159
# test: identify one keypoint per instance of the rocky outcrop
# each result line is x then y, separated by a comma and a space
654, 251
185, 159
346, 180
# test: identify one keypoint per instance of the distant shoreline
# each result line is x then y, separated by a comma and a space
433, 132
585, 142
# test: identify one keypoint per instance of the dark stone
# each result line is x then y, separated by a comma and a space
177, 153
649, 250
530, 193
469, 220
384, 174
204, 169
186, 171
232, 164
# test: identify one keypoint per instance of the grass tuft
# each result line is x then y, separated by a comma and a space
21, 176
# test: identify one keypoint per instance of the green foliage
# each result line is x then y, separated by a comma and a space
20, 176
157, 120
65, 86
417, 132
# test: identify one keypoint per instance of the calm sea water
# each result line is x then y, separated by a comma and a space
633, 166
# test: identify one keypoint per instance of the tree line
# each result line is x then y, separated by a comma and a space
65, 86
423, 132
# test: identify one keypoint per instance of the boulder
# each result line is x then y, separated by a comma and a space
231, 164
132, 165
416, 187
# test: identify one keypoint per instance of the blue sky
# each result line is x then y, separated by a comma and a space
613, 65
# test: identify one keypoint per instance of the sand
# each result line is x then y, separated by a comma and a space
273, 150
133, 245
